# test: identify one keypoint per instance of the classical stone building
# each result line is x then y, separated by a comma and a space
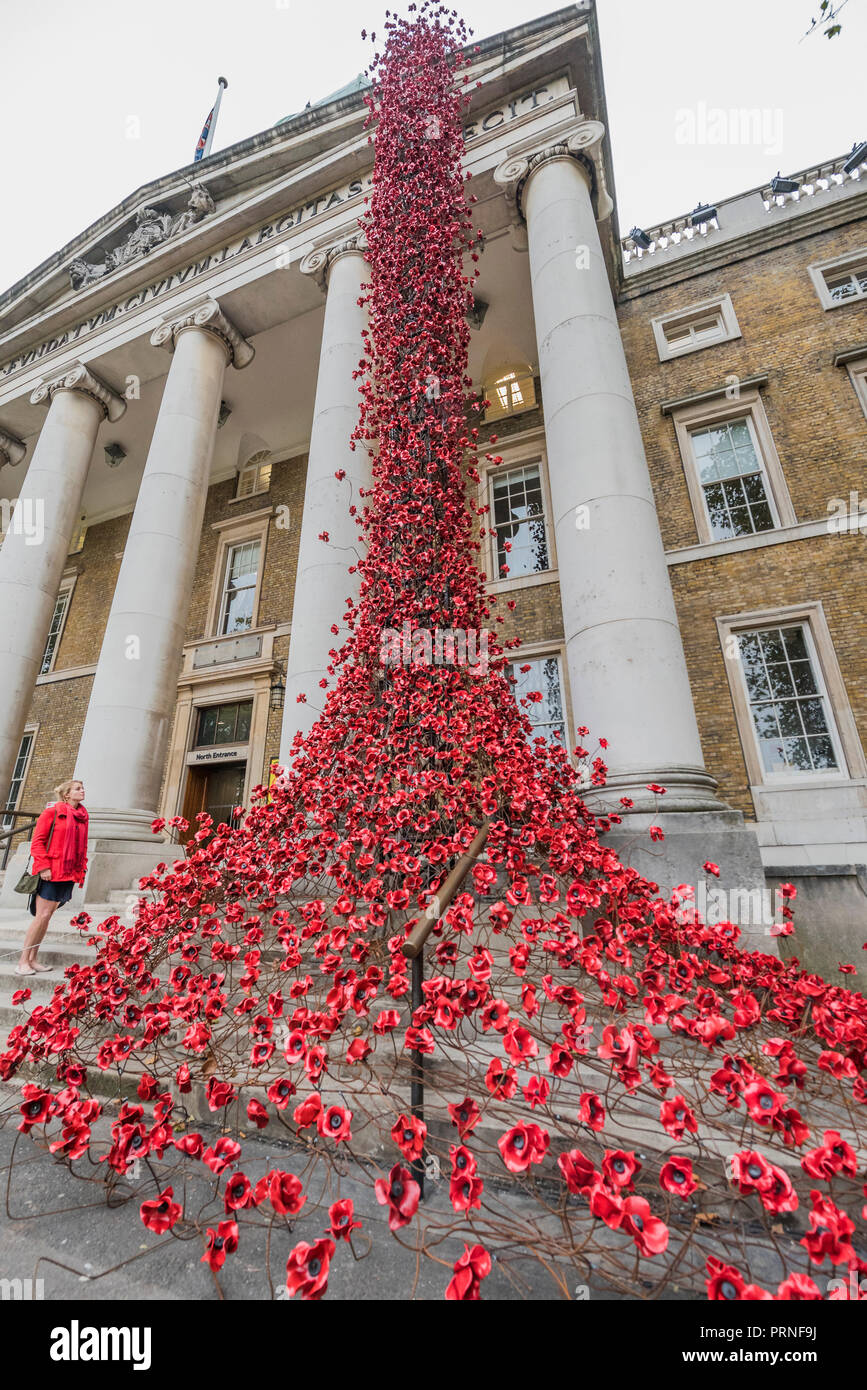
682, 415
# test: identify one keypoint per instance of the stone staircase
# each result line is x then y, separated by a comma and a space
64, 945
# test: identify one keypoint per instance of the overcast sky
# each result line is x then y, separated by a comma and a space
101, 96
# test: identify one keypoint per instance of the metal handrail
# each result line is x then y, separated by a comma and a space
7, 835
442, 899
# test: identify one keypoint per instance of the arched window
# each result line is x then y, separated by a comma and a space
510, 393
255, 476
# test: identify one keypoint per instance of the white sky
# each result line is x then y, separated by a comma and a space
101, 96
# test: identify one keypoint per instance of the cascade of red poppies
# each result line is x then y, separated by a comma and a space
577, 1028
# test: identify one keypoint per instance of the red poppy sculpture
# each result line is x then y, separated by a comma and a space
665, 1103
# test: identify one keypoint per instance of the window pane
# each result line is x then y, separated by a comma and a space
753, 487
519, 519
796, 753
225, 729
772, 756
767, 725
772, 645
242, 570
822, 753
803, 678
762, 519
7, 822
780, 678
793, 730
542, 678
813, 716
54, 631
245, 712
790, 719
207, 726
796, 646
740, 522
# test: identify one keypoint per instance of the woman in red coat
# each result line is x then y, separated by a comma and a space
59, 849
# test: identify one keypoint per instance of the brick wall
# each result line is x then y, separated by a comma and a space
59, 709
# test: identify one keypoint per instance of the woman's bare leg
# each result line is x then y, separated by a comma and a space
35, 933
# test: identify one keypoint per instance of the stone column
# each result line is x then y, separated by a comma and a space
322, 581
125, 738
627, 670
35, 549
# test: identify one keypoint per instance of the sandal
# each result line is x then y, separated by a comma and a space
40, 969
26, 971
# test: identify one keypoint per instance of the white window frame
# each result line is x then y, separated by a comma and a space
747, 405
238, 531
30, 731
841, 723
540, 651
726, 317
821, 271
67, 585
255, 467
524, 454
253, 543
857, 370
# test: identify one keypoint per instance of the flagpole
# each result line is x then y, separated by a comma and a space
213, 126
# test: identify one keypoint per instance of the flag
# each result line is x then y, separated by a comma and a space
203, 148
203, 138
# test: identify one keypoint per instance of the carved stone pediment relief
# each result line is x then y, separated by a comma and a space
150, 227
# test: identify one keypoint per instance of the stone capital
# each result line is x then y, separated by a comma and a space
319, 261
12, 449
582, 144
207, 318
79, 377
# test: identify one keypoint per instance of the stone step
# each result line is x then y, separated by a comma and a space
124, 897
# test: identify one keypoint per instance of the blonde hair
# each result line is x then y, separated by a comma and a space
62, 791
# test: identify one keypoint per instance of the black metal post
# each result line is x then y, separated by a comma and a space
416, 1093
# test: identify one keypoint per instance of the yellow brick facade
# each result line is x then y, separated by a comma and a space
820, 433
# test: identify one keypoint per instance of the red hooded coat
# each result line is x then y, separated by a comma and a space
66, 856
